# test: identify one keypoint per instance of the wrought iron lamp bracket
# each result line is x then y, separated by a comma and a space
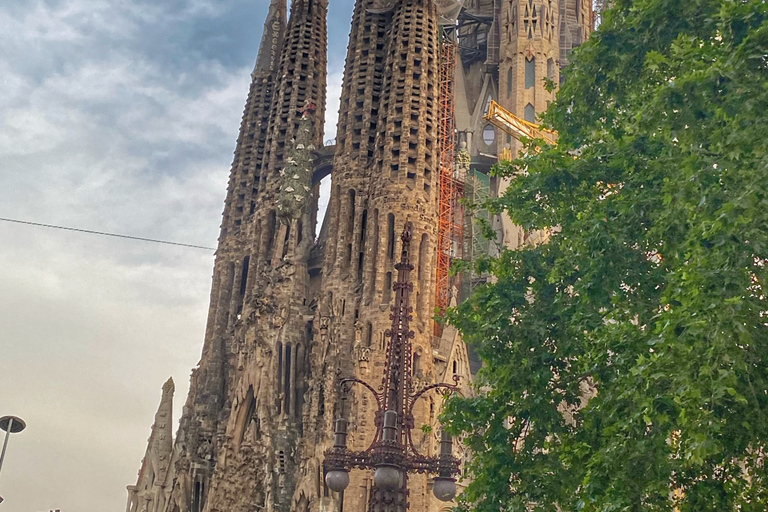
392, 447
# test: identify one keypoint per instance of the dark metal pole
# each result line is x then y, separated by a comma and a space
5, 443
11, 425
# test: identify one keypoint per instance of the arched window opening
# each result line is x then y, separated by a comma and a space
287, 379
321, 400
363, 228
388, 288
336, 218
198, 497
390, 236
286, 241
248, 416
271, 224
226, 296
374, 255
279, 376
530, 72
368, 334
361, 245
351, 215
551, 69
243, 283
323, 197
350, 226
299, 381
416, 364
509, 81
489, 135
530, 113
305, 364
300, 232
455, 368
244, 275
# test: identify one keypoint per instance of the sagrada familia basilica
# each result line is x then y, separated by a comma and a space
291, 312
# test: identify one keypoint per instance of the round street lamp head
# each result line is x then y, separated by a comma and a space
388, 478
15, 424
337, 480
444, 488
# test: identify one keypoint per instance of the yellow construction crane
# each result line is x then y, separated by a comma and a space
508, 122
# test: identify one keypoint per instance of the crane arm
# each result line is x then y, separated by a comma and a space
515, 126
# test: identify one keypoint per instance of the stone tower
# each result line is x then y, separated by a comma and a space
268, 334
509, 48
238, 447
529, 53
289, 315
384, 174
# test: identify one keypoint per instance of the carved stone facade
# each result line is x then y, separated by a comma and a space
509, 48
290, 314
153, 488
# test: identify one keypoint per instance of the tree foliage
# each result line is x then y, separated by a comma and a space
651, 292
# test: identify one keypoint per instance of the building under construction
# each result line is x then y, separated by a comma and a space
291, 313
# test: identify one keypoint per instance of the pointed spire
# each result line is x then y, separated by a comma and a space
156, 464
272, 38
162, 436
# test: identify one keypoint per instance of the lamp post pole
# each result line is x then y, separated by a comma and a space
11, 425
392, 454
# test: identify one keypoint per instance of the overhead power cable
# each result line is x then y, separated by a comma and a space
102, 233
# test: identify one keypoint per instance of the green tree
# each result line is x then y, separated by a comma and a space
651, 292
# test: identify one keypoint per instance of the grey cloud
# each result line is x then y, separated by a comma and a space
115, 115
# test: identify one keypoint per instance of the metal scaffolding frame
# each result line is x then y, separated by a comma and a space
451, 187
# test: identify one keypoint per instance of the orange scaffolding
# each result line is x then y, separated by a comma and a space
451, 188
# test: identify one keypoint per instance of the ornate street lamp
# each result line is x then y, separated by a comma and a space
392, 454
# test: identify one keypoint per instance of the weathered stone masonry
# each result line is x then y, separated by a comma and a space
289, 314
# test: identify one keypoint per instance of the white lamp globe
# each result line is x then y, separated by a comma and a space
337, 480
444, 489
388, 478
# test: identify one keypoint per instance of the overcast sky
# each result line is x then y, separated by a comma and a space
119, 116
